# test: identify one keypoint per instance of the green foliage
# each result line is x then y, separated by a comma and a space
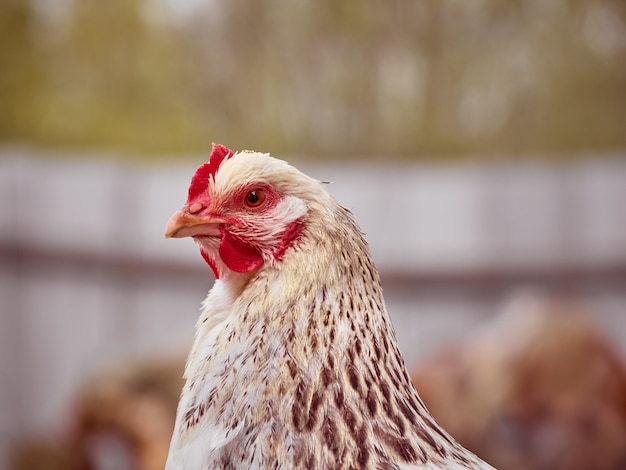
316, 77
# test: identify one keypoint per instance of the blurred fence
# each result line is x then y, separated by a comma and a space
87, 277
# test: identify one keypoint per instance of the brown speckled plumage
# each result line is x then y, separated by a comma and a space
295, 363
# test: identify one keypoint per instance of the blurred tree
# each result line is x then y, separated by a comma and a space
20, 73
430, 78
114, 81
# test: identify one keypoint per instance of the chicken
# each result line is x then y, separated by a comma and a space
126, 415
122, 417
295, 362
539, 388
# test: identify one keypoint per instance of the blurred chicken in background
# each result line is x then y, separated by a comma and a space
540, 388
122, 419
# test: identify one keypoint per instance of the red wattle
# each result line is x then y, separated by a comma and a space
238, 255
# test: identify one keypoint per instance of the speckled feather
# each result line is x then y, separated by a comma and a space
295, 364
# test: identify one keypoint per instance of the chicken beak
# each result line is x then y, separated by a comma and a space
183, 224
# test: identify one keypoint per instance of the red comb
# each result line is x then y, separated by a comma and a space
200, 179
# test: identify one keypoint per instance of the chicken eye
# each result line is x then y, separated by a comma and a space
255, 198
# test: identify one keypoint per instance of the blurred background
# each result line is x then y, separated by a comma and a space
481, 146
